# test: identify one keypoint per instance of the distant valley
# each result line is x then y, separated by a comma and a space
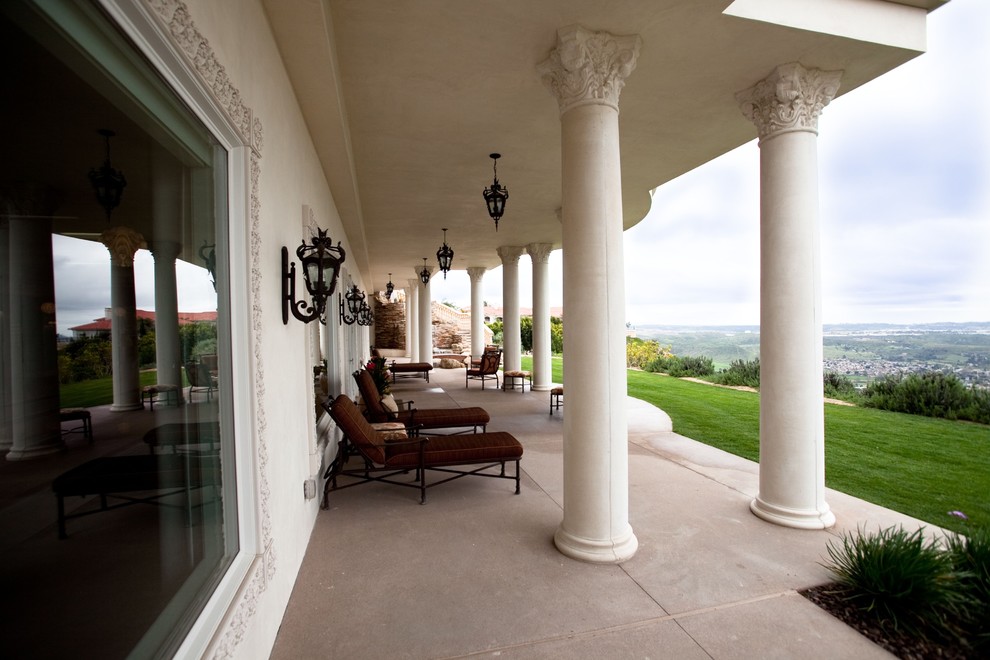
863, 352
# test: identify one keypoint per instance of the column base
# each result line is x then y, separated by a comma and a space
796, 518
596, 551
36, 452
126, 407
541, 388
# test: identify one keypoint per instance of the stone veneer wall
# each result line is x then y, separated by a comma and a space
390, 324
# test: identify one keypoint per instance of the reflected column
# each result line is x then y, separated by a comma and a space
6, 432
167, 352
34, 387
123, 242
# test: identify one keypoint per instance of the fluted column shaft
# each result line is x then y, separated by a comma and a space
586, 72
123, 242
785, 108
511, 339
477, 274
540, 254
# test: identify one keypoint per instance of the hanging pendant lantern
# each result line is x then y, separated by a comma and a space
495, 195
445, 255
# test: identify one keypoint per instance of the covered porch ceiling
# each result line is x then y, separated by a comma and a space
405, 101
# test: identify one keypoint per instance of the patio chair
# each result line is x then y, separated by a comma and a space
200, 379
425, 418
487, 369
384, 459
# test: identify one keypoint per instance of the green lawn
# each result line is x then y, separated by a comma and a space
98, 392
920, 466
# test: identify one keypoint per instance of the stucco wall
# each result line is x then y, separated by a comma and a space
290, 177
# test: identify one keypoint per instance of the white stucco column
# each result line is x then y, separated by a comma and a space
477, 274
426, 319
586, 72
123, 242
412, 318
511, 341
540, 254
33, 359
785, 108
168, 356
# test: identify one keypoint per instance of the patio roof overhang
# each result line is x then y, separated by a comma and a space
406, 100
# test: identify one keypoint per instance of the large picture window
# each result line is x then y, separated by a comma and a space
117, 485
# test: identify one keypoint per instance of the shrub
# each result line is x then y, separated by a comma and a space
932, 394
640, 354
900, 578
740, 372
839, 387
970, 557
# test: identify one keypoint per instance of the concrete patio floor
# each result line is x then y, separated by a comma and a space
474, 571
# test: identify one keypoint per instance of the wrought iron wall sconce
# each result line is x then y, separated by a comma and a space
321, 266
208, 254
495, 195
445, 255
356, 310
107, 182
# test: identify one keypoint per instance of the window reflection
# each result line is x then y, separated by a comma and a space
117, 489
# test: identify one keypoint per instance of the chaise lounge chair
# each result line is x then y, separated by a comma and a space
426, 418
384, 459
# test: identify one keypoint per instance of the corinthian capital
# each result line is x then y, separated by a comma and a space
122, 242
509, 254
789, 99
589, 67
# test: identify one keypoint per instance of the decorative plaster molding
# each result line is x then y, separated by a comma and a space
589, 67
509, 254
176, 18
789, 99
122, 242
539, 252
178, 24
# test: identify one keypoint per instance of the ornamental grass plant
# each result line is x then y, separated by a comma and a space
933, 591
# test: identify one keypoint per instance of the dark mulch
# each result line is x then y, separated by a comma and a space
831, 598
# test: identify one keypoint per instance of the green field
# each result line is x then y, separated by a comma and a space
920, 466
97, 392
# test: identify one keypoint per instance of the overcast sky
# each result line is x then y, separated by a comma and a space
905, 213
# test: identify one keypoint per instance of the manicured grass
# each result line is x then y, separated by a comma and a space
98, 392
920, 466
556, 367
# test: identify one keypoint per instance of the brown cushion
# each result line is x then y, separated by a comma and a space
441, 418
364, 438
557, 390
370, 396
457, 450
